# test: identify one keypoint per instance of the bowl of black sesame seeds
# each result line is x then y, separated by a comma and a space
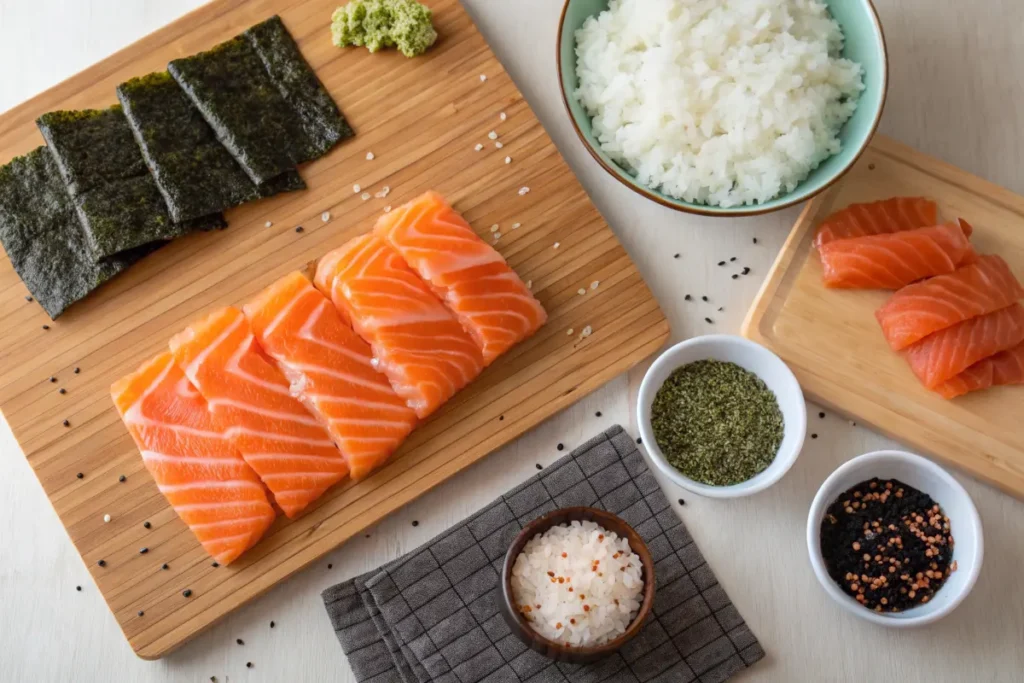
895, 539
721, 416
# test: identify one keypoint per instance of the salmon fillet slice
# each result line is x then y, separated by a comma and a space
331, 371
877, 218
925, 307
250, 398
194, 464
1004, 368
892, 261
941, 356
469, 275
416, 341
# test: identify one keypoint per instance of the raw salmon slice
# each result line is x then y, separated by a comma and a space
331, 371
877, 218
919, 309
250, 398
945, 354
199, 471
892, 261
416, 341
1001, 369
470, 276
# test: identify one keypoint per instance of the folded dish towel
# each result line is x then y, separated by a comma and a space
432, 615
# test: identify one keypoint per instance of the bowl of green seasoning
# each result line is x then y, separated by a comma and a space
721, 416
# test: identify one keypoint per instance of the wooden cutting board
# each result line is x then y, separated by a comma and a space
421, 118
831, 340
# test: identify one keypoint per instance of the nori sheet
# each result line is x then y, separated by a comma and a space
263, 100
195, 174
43, 238
115, 197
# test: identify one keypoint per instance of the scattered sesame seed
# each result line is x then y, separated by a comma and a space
581, 291
165, 567
364, 196
755, 240
568, 332
732, 260
735, 276
102, 563
478, 147
556, 245
271, 624
53, 379
147, 525
492, 135
122, 478
709, 321
356, 189
675, 256
215, 564
497, 236
821, 415
502, 116
687, 298
46, 327
586, 332
495, 227
325, 216
143, 550
77, 370
746, 271
483, 77
415, 523
384, 192
141, 613
524, 190
508, 160
560, 447
516, 226
239, 641
369, 156
721, 263
387, 209
704, 299
597, 414
639, 440
498, 145
682, 502
28, 298
67, 423
78, 588
187, 593
80, 475
814, 436
106, 519
539, 466
62, 391
299, 228
267, 224
595, 284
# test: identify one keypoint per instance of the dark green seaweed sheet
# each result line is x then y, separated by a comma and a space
195, 174
263, 100
115, 197
43, 238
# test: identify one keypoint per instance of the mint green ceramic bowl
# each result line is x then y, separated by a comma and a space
865, 43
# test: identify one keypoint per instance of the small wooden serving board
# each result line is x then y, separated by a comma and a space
834, 345
421, 118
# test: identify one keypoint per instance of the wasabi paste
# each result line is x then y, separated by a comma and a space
374, 24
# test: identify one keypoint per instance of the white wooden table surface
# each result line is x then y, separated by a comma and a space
956, 93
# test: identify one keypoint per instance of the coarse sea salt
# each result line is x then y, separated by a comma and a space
369, 156
483, 77
516, 226
498, 145
508, 160
581, 291
502, 116
364, 196
356, 189
578, 584
494, 228
478, 147
267, 224
492, 135
524, 191
325, 216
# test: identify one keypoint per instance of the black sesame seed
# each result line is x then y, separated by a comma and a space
78, 588
28, 298
187, 593
704, 299
871, 167
146, 524
53, 379
500, 418
271, 624
560, 447
80, 475
78, 370
367, 535
141, 613
240, 641
735, 276
755, 240
709, 321
814, 436
122, 478
330, 566
676, 256
597, 414
248, 665
687, 298
215, 564
165, 567
721, 308
102, 563
66, 423
299, 229
143, 550
821, 415
46, 327
682, 502
639, 440
539, 466
721, 263
415, 523
746, 270
62, 391
732, 260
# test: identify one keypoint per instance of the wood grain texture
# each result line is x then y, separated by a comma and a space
835, 346
421, 119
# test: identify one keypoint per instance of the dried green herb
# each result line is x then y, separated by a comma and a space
716, 422
376, 24
194, 173
262, 99
43, 238
115, 197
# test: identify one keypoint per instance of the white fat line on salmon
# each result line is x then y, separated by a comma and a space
276, 476
226, 522
234, 367
282, 314
199, 485
237, 431
192, 369
357, 402
302, 418
305, 369
232, 461
134, 408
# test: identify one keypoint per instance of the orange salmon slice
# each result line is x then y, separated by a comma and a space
194, 464
417, 342
469, 275
331, 371
289, 448
877, 218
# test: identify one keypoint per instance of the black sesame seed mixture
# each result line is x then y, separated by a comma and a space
887, 545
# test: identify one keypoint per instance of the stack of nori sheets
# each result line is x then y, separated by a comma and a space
265, 103
43, 238
222, 128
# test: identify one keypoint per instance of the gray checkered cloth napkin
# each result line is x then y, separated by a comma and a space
432, 615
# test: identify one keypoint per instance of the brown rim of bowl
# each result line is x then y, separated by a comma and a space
725, 213
549, 648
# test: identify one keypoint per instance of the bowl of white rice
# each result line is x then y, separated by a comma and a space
724, 107
578, 584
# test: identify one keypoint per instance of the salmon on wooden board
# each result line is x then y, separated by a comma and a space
470, 276
934, 304
895, 260
289, 449
877, 218
945, 354
194, 464
1002, 369
331, 371
416, 340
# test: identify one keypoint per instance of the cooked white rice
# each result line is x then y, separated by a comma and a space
721, 102
578, 584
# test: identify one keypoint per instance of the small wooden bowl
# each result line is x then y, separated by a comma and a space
558, 651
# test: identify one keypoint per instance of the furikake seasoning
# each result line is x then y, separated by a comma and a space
716, 422
887, 545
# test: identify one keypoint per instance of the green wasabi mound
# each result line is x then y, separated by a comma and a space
374, 24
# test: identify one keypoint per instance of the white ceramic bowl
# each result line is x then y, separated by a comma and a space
924, 475
750, 356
